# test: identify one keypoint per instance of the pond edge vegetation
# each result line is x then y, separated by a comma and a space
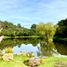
46, 31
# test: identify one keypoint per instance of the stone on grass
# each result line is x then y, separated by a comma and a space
7, 56
32, 62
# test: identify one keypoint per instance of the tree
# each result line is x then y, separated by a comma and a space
61, 31
33, 29
19, 25
46, 30
10, 29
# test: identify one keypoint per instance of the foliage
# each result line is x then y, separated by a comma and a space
12, 30
46, 30
8, 50
61, 31
33, 29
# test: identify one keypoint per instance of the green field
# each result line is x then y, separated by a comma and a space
18, 61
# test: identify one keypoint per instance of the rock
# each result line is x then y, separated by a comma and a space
32, 62
61, 64
7, 56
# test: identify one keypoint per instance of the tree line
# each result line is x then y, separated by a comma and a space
45, 30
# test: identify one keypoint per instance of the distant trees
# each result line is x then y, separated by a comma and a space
19, 25
9, 28
45, 30
33, 29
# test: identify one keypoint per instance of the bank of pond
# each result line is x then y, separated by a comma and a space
20, 61
33, 52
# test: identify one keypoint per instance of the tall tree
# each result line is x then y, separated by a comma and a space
46, 30
33, 29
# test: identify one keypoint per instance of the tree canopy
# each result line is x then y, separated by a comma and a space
61, 31
47, 30
44, 30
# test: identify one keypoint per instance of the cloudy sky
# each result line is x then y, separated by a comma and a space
28, 12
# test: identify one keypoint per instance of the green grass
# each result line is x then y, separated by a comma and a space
18, 61
50, 61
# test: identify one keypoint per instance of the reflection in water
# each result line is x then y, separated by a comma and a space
1, 38
25, 48
61, 48
37, 46
46, 48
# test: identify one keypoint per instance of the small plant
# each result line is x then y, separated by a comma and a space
8, 50
30, 54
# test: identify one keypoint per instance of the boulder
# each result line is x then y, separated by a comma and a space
32, 62
7, 56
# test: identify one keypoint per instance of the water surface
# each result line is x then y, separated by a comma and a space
37, 46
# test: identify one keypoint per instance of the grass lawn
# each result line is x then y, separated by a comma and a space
18, 61
50, 61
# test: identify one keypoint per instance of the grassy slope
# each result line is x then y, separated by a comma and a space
18, 62
49, 62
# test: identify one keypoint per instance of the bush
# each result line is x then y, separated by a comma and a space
8, 50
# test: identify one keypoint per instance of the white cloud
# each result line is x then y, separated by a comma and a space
32, 11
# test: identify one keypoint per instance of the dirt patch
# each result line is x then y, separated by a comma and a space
60, 64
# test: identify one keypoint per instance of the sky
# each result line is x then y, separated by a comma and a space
28, 12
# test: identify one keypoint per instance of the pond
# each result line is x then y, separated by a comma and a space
37, 46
